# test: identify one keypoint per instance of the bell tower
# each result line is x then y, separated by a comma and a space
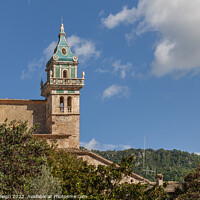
61, 91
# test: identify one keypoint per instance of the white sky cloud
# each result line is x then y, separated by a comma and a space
48, 52
93, 144
102, 13
178, 49
116, 90
115, 67
84, 49
130, 37
25, 75
37, 65
123, 68
33, 66
125, 16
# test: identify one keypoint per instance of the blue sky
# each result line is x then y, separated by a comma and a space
141, 59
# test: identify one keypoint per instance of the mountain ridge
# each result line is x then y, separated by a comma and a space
173, 164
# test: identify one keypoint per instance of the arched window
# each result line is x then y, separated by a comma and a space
69, 104
61, 104
65, 74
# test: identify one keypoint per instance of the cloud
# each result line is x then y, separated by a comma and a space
198, 153
125, 16
33, 67
25, 75
36, 66
178, 48
116, 90
48, 52
102, 13
100, 70
93, 144
130, 37
139, 75
84, 49
116, 67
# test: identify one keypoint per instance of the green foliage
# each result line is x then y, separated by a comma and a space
101, 182
190, 189
24, 170
140, 192
44, 184
20, 156
174, 165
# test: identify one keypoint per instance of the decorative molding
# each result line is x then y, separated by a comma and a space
52, 136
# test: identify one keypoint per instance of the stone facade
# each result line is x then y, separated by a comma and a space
33, 111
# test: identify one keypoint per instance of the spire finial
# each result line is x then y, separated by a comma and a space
62, 26
83, 74
62, 31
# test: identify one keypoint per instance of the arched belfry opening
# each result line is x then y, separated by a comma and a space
65, 75
62, 104
69, 104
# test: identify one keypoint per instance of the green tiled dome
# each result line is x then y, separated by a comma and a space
62, 51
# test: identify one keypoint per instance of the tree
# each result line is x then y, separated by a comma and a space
190, 189
101, 182
20, 156
24, 170
44, 184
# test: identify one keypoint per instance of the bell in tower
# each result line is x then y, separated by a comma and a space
61, 91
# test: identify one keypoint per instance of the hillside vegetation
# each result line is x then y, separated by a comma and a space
31, 169
173, 164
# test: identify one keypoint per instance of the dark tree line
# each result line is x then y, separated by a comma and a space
173, 164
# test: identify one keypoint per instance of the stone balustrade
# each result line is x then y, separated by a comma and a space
64, 81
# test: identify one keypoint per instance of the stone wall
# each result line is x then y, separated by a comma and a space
64, 121
22, 110
62, 141
69, 125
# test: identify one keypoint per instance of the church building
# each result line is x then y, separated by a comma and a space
58, 114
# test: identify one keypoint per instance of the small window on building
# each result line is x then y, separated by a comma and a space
69, 104
64, 74
61, 104
64, 51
